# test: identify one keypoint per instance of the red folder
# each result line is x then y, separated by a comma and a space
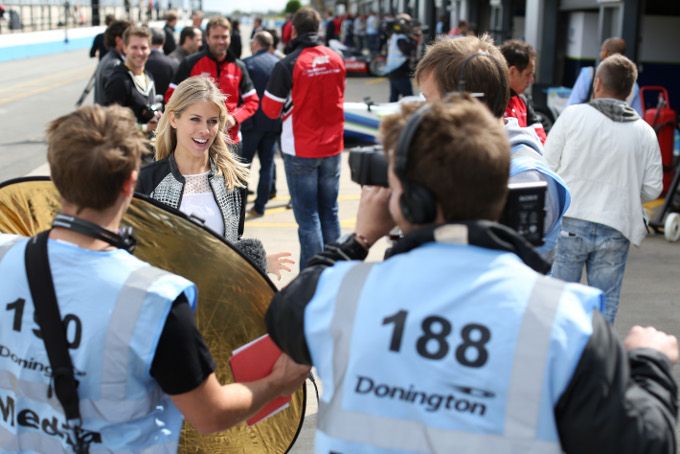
253, 361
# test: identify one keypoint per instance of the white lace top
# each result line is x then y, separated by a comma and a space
198, 201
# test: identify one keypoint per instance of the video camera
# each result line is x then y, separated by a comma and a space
524, 210
402, 25
149, 111
153, 109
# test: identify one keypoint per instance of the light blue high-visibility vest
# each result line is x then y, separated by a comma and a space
524, 158
395, 57
114, 307
447, 348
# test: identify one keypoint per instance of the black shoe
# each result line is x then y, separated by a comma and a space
272, 195
253, 214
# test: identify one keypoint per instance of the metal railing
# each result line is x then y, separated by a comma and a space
28, 16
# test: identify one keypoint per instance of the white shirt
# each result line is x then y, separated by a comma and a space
611, 167
198, 201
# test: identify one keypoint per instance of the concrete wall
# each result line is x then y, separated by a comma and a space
582, 42
660, 39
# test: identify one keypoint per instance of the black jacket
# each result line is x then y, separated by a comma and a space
105, 68
617, 402
98, 46
162, 69
236, 44
170, 42
120, 89
260, 67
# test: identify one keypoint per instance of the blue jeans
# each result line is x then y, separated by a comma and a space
374, 43
603, 250
313, 184
263, 143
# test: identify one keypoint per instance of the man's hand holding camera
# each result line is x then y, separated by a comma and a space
153, 123
651, 338
373, 217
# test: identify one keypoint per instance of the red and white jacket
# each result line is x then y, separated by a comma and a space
524, 112
308, 86
231, 77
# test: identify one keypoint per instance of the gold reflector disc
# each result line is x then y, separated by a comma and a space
233, 297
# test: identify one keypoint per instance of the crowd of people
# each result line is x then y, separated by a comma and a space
536, 364
456, 342
142, 70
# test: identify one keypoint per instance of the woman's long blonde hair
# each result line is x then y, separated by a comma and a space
192, 90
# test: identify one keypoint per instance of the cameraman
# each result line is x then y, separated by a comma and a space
453, 344
401, 48
130, 85
475, 65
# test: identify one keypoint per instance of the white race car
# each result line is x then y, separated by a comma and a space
362, 119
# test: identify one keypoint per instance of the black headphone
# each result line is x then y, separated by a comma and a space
121, 240
417, 203
462, 71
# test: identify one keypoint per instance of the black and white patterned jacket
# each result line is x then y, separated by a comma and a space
162, 181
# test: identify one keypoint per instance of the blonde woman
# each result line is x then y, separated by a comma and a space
196, 172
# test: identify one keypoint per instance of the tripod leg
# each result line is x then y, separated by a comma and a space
87, 90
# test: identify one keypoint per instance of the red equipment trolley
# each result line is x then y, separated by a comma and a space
663, 119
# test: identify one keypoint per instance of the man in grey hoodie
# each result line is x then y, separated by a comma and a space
474, 65
610, 159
